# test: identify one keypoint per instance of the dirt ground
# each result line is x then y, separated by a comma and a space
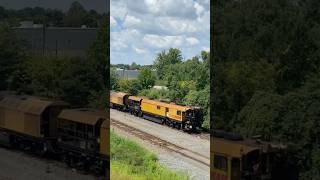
17, 165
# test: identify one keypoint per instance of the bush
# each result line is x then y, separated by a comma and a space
129, 159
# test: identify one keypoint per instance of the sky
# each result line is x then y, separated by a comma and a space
100, 6
140, 29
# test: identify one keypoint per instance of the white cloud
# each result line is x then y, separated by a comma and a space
199, 8
192, 40
163, 41
207, 49
141, 51
131, 21
143, 28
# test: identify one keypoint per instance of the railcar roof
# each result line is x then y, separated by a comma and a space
136, 98
237, 148
29, 104
118, 94
169, 105
84, 115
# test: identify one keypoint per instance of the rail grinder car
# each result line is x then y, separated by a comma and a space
235, 158
80, 136
171, 114
29, 122
83, 137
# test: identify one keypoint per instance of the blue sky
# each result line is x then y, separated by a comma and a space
140, 29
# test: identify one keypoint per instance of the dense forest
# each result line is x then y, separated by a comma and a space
81, 81
266, 78
187, 86
76, 16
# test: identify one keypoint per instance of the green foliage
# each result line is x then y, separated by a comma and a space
129, 86
99, 99
114, 79
75, 17
155, 93
235, 83
129, 159
164, 59
201, 99
100, 52
146, 78
72, 80
11, 54
266, 74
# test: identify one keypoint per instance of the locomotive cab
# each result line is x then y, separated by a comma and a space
245, 159
193, 118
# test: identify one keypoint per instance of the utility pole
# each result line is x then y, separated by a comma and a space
43, 37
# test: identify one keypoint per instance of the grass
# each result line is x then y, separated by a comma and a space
160, 83
131, 161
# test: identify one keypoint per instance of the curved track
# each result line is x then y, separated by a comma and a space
162, 143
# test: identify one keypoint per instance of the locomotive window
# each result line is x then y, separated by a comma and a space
179, 113
167, 109
220, 162
158, 107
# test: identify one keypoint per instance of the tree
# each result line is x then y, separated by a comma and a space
146, 78
75, 16
11, 54
164, 59
114, 79
100, 52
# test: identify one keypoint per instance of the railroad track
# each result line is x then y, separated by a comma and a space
162, 143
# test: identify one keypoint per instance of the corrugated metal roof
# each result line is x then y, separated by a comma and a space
28, 104
85, 116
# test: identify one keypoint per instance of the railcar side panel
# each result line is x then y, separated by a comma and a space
104, 139
153, 108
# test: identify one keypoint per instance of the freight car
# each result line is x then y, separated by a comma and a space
235, 158
171, 114
43, 127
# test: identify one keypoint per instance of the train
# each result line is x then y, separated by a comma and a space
171, 114
78, 136
236, 158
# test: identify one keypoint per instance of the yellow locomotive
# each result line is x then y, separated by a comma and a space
42, 126
171, 114
235, 158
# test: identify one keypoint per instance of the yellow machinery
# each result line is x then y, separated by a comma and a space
29, 115
241, 159
119, 100
174, 115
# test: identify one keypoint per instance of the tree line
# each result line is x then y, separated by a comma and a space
266, 74
81, 81
76, 16
187, 86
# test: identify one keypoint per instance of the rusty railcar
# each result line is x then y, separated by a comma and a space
29, 122
84, 137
